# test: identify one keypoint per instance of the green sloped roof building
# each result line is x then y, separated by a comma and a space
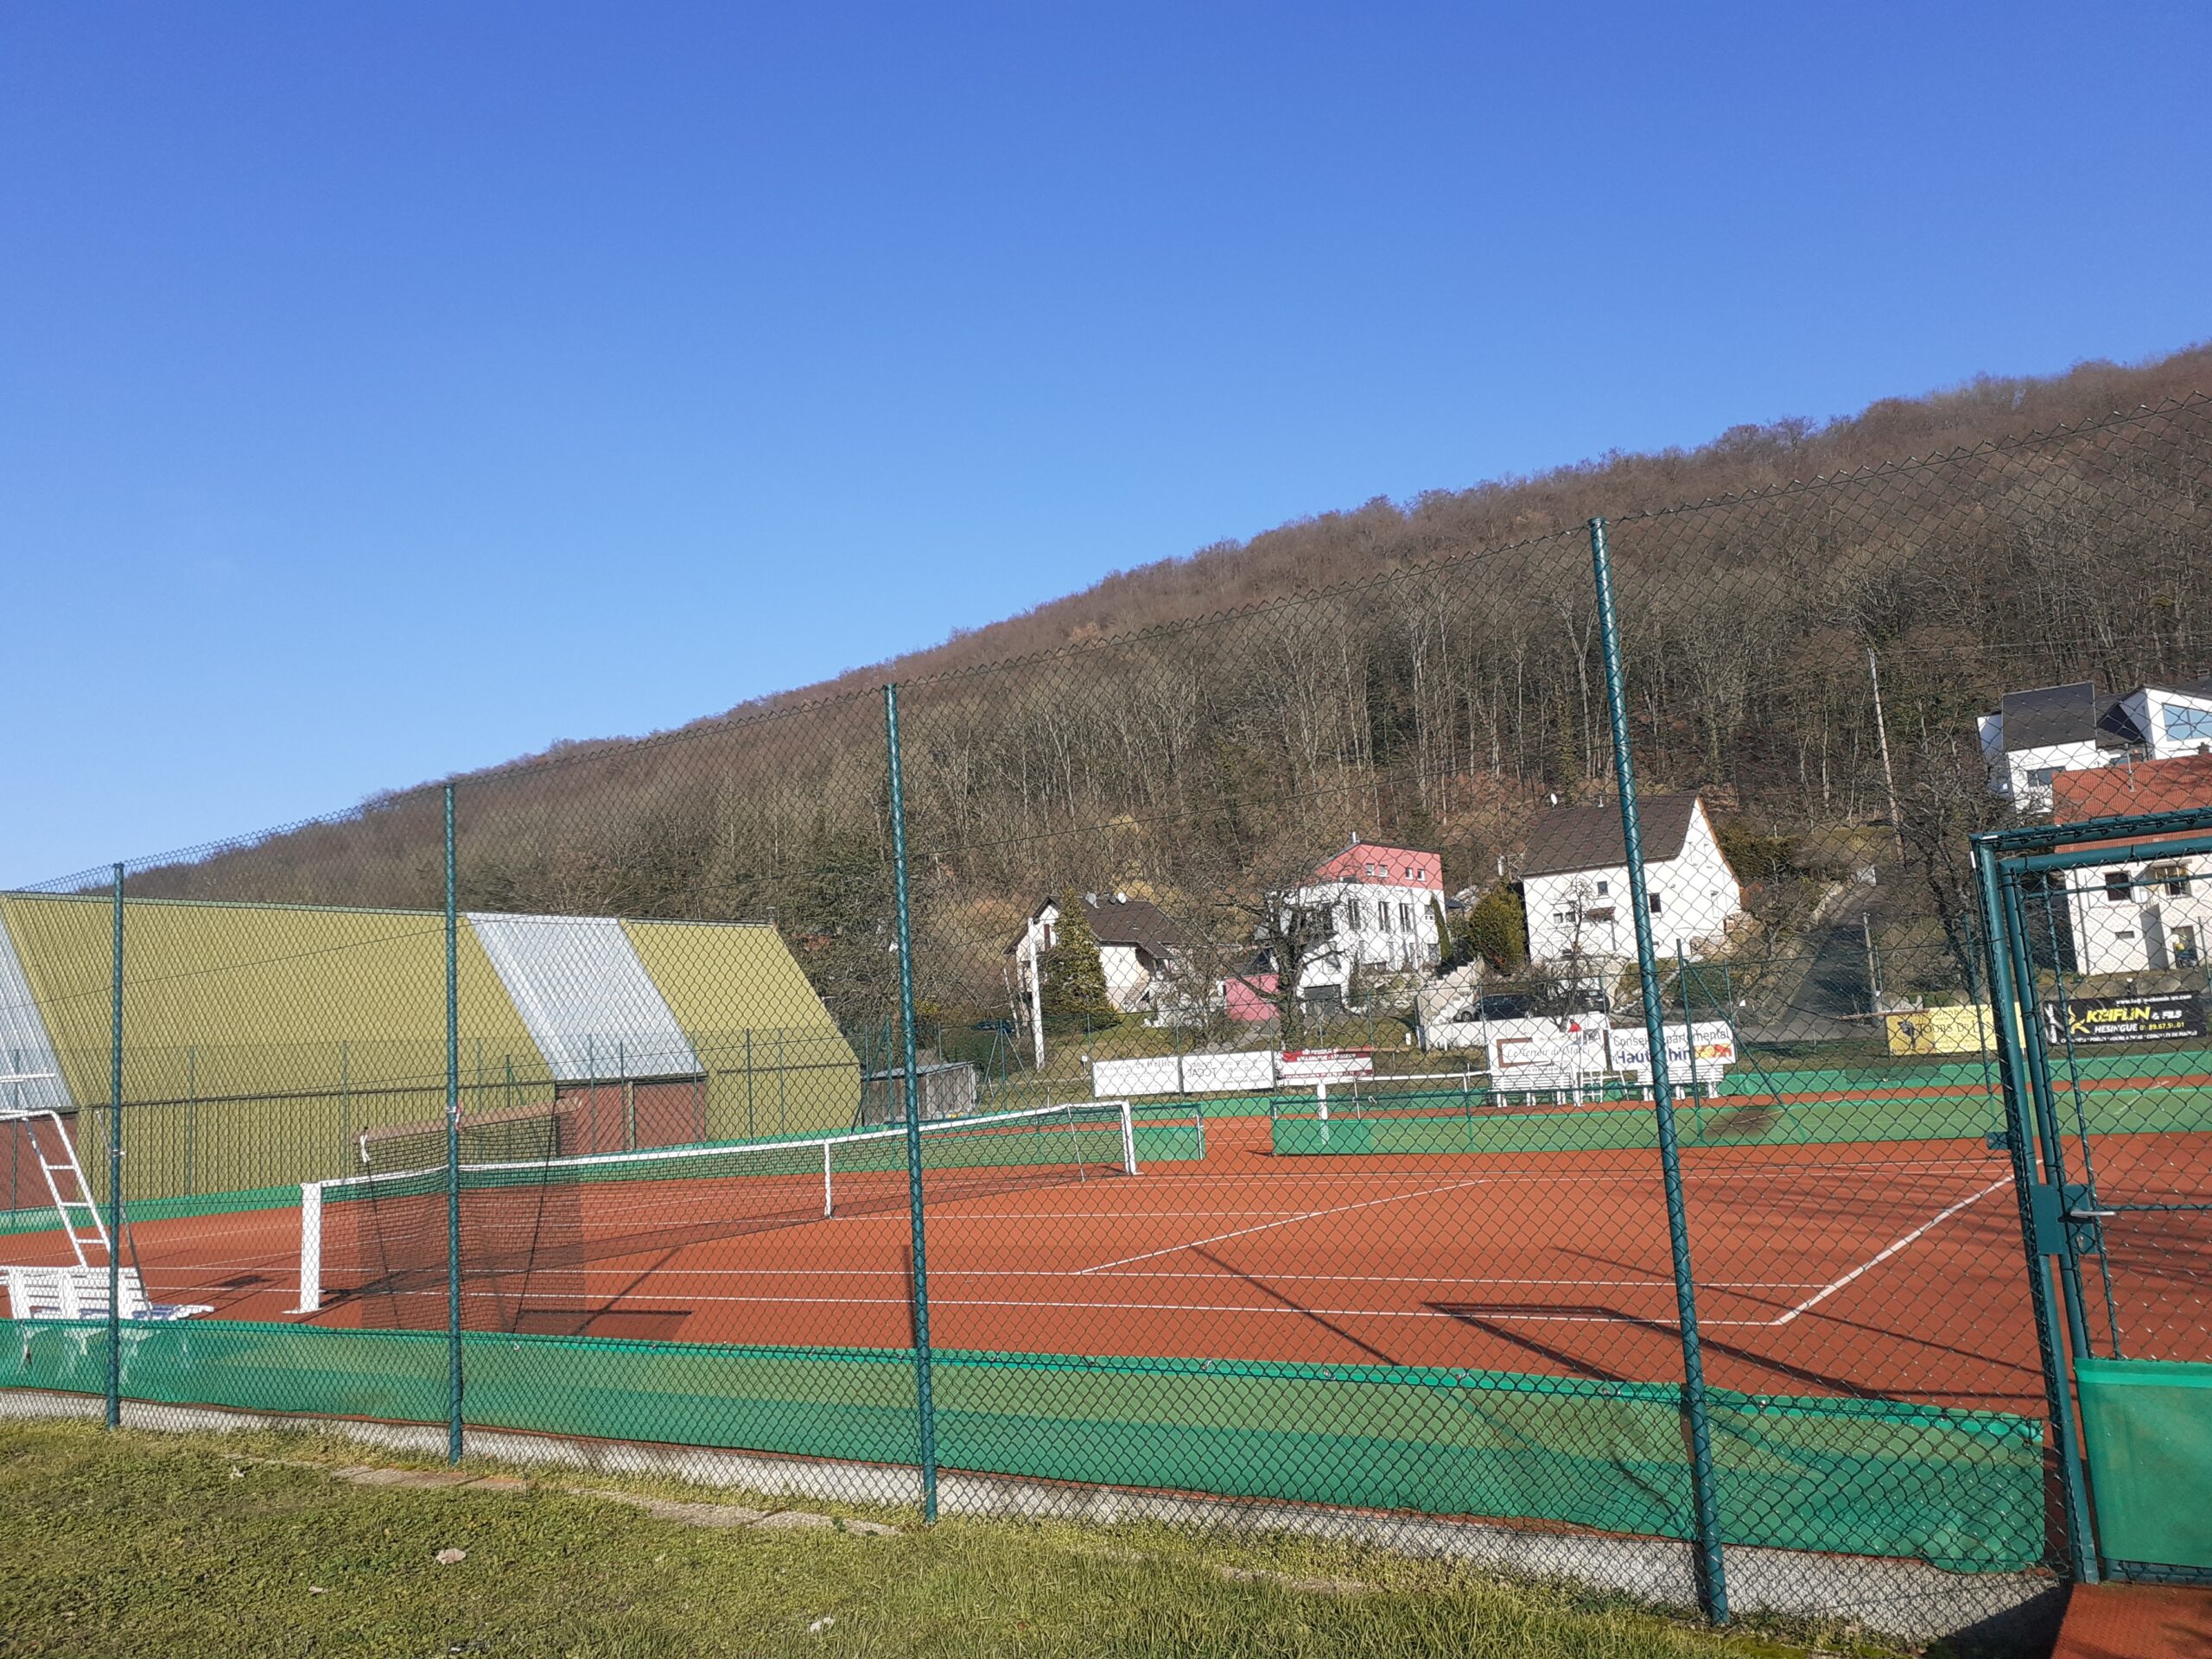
262, 1042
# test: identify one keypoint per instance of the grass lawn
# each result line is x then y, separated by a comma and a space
178, 1546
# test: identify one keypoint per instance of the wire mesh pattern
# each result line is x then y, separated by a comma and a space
1511, 1047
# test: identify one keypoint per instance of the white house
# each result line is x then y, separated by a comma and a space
1383, 904
2035, 736
2175, 719
2150, 913
1574, 882
1136, 942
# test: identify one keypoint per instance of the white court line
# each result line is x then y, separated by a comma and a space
1199, 1310
1310, 1215
1809, 1303
1873, 1262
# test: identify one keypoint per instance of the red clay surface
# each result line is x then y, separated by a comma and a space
2136, 1621
1892, 1270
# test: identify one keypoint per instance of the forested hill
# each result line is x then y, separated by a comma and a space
1201, 730
1382, 535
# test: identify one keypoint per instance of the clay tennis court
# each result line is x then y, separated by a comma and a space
1890, 1270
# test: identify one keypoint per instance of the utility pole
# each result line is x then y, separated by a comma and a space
1036, 995
1882, 741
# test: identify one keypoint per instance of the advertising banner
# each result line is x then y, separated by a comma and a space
2125, 1019
1536, 1053
1716, 1050
1312, 1065
1246, 1073
1941, 1030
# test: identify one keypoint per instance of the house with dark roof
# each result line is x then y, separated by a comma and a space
2150, 910
2037, 735
1137, 941
1574, 882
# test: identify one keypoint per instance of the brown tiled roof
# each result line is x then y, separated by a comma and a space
2172, 786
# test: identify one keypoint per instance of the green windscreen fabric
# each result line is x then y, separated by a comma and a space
1961, 1489
40, 1218
2147, 1427
1418, 1126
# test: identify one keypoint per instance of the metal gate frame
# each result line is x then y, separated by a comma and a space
2061, 1216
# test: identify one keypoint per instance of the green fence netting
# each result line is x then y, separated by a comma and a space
2147, 1427
1961, 1489
1412, 1125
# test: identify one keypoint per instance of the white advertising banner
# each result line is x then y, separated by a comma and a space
1240, 1074
1312, 1065
1716, 1050
1536, 1053
1186, 1074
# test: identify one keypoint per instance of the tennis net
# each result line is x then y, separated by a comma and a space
529, 1226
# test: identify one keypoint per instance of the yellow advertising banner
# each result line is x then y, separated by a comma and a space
1942, 1031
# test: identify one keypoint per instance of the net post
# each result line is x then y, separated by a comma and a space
924, 1402
1128, 1139
829, 1199
310, 1247
453, 1148
115, 1175
1712, 1583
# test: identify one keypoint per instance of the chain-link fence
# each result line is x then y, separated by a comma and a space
1255, 1071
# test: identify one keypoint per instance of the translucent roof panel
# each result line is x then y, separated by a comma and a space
589, 1005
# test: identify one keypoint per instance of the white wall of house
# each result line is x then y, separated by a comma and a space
2143, 917
1377, 927
2176, 722
1584, 914
1128, 980
2024, 775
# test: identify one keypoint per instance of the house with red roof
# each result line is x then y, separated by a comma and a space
2150, 913
1385, 907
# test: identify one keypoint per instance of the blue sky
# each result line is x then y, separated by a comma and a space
390, 389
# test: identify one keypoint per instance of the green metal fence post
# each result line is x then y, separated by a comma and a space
2008, 1012
452, 1149
1712, 1587
924, 1402
115, 1175
1981, 1036
2044, 1103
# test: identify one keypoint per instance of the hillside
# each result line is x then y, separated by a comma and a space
1381, 535
1200, 729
